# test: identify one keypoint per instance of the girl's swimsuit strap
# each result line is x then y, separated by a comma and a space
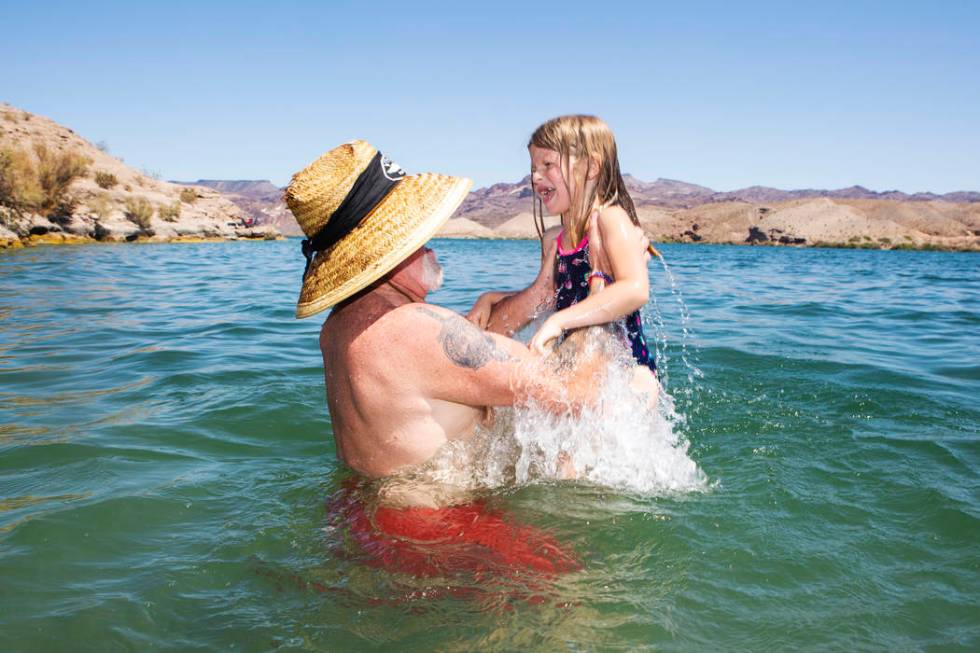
581, 245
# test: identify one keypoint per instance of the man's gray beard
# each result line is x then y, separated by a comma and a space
431, 273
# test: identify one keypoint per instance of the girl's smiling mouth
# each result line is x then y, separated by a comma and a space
545, 192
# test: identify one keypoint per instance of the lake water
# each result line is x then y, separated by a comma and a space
166, 464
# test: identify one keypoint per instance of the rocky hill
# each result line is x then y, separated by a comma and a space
676, 211
260, 199
57, 187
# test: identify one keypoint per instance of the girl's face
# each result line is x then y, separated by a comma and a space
548, 180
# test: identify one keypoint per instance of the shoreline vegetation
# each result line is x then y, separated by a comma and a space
57, 188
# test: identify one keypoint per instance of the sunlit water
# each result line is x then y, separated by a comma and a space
168, 479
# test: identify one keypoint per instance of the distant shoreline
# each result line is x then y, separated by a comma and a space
808, 222
926, 247
66, 239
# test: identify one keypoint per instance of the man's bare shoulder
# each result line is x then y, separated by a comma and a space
430, 329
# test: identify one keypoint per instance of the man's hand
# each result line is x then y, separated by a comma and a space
483, 307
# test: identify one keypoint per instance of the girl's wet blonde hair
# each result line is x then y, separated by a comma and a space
583, 138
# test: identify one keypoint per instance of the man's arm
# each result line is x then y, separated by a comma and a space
458, 362
513, 313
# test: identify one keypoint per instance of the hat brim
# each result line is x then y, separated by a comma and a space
407, 218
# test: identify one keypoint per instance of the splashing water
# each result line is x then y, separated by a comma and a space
621, 441
654, 321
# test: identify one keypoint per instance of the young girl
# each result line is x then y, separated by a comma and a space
575, 173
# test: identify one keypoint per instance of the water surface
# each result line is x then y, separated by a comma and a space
166, 463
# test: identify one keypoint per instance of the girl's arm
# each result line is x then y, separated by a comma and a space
512, 311
618, 244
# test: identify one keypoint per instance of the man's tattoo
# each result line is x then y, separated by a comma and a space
464, 344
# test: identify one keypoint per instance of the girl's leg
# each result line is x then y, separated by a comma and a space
645, 383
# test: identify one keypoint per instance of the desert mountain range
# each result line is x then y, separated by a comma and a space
676, 211
104, 199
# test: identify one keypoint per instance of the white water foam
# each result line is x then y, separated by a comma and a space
621, 441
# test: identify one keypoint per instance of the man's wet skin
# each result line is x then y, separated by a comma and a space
452, 475
404, 377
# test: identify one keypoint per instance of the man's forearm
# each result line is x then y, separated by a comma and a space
513, 313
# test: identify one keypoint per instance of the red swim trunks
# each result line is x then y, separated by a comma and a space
429, 542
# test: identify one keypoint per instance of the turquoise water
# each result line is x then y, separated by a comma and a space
166, 463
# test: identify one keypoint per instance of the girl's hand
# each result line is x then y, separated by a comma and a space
544, 340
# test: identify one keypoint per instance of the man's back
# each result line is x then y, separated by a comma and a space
386, 401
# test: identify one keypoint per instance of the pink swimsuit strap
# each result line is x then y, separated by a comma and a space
581, 245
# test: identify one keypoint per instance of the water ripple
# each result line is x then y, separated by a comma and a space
166, 461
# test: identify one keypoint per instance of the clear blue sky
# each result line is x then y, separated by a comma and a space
725, 94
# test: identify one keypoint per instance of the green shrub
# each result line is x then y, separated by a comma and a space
41, 186
105, 179
55, 173
169, 212
188, 195
19, 188
100, 206
139, 211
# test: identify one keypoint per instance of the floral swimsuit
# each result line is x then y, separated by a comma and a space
572, 286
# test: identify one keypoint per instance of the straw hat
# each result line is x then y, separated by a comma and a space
385, 215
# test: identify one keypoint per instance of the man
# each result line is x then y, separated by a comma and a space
403, 377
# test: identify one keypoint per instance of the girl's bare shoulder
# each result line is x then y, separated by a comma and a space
613, 214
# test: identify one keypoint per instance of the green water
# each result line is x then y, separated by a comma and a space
166, 462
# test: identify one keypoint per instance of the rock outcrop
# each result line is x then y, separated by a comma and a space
104, 199
260, 200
